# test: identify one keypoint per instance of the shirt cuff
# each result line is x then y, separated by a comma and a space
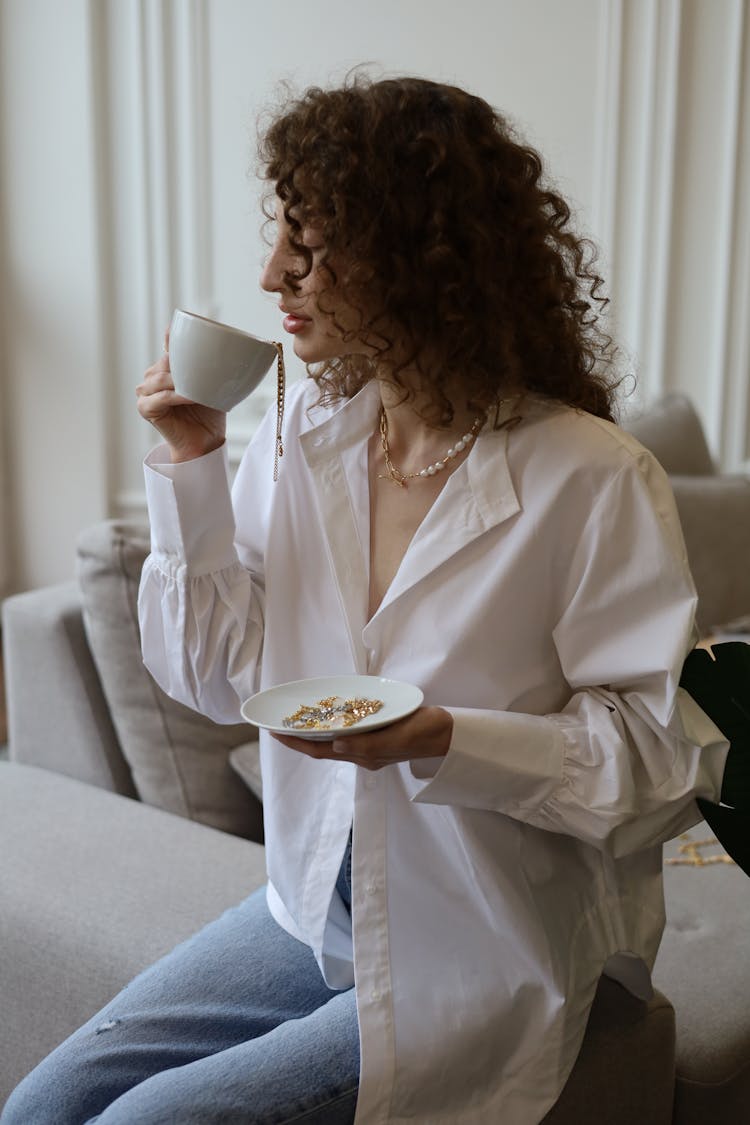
496, 760
190, 511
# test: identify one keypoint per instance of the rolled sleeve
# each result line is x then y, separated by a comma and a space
621, 763
527, 771
190, 510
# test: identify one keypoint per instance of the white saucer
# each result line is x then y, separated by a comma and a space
268, 709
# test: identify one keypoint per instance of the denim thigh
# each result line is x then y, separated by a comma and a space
234, 1025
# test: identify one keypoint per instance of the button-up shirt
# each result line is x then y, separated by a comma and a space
545, 601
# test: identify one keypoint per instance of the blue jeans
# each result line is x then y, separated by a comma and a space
236, 1025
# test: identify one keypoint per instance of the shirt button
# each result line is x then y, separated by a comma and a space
375, 995
371, 888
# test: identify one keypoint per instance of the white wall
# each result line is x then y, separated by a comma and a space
127, 132
52, 393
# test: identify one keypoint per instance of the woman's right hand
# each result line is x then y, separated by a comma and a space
190, 430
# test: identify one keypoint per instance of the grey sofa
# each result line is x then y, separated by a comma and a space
127, 822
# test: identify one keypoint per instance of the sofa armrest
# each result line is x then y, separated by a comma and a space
57, 715
715, 516
94, 888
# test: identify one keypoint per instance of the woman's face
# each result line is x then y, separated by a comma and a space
318, 333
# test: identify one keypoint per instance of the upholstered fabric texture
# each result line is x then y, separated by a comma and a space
672, 430
715, 517
245, 760
704, 967
179, 759
93, 889
47, 657
714, 509
626, 1062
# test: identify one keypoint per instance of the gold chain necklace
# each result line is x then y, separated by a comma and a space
399, 478
280, 395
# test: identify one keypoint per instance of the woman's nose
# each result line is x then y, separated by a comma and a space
272, 274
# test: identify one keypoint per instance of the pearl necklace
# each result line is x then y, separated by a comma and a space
399, 478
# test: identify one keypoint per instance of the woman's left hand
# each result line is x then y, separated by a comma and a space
424, 734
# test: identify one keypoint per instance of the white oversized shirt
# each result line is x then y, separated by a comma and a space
546, 602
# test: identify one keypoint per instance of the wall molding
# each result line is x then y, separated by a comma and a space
735, 356
175, 87
132, 105
643, 217
676, 232
664, 34
170, 149
6, 499
638, 86
606, 150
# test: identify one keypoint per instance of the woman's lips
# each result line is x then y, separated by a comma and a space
294, 323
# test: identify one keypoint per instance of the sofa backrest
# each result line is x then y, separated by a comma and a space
179, 759
672, 431
714, 509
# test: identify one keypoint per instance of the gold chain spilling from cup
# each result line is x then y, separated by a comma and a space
280, 393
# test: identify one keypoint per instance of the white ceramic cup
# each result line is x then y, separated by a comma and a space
214, 364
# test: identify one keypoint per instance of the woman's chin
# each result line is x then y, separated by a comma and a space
310, 351
306, 355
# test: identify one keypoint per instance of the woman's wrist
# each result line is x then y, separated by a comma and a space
179, 454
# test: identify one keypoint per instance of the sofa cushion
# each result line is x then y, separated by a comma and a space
245, 761
672, 431
704, 966
94, 887
715, 517
179, 759
624, 1072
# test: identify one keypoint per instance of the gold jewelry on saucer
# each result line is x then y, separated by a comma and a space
332, 713
280, 393
399, 478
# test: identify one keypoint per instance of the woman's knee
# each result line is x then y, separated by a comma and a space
61, 1090
39, 1099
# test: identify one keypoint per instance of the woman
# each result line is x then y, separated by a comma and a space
456, 509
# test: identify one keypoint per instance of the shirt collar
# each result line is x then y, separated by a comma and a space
489, 480
478, 496
350, 424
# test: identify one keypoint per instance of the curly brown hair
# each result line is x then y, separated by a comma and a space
458, 255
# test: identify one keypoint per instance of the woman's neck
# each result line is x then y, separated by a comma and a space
415, 441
